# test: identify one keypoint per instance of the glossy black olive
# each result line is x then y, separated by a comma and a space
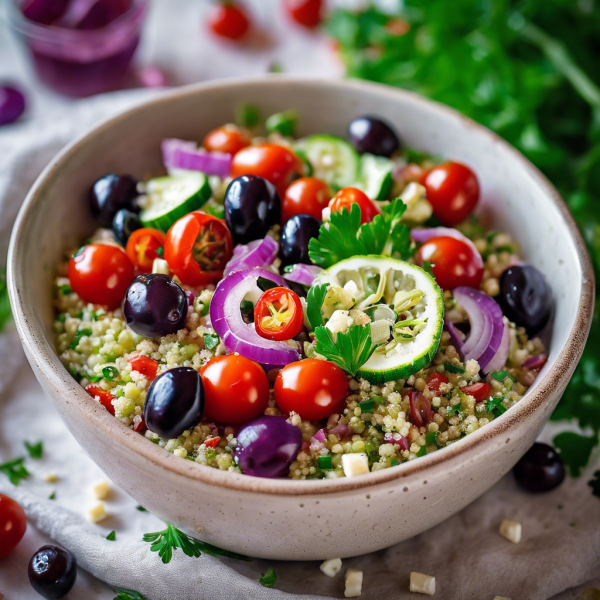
295, 235
174, 402
52, 572
124, 224
155, 305
540, 470
252, 207
370, 134
111, 193
525, 297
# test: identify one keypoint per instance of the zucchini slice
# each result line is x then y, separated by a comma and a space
375, 176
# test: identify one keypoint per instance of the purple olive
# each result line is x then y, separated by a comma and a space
12, 104
267, 446
540, 470
52, 572
371, 134
295, 236
109, 194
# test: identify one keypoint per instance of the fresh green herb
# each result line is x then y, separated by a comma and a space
61, 318
502, 375
495, 406
266, 284
110, 373
141, 508
52, 496
367, 406
160, 251
428, 268
80, 334
350, 350
112, 536
575, 450
35, 450
276, 67
422, 451
246, 306
288, 268
314, 302
65, 289
211, 340
431, 438
379, 400
128, 595
92, 378
5, 312
268, 579
324, 462
15, 470
453, 368
284, 123
247, 115
594, 483
96, 314
456, 408
394, 462
215, 209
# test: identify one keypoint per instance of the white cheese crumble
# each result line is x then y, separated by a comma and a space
96, 513
511, 530
340, 322
422, 584
354, 581
331, 567
355, 464
161, 266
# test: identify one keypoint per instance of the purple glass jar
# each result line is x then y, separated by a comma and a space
81, 62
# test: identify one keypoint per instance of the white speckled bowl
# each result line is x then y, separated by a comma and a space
314, 519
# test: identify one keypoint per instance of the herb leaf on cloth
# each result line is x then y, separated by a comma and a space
15, 470
128, 595
350, 350
35, 450
268, 578
575, 450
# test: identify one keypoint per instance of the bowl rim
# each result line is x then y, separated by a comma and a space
41, 352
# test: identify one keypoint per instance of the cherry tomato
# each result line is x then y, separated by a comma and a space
346, 197
305, 12
13, 523
105, 398
278, 314
315, 389
101, 274
480, 391
144, 365
276, 164
434, 382
197, 248
143, 246
453, 191
305, 196
453, 262
213, 442
229, 139
236, 389
228, 20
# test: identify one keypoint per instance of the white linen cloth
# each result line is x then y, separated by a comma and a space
560, 548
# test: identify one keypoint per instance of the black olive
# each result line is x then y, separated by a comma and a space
111, 193
52, 572
295, 235
373, 135
540, 470
124, 224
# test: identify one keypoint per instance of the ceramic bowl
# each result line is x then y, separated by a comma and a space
314, 519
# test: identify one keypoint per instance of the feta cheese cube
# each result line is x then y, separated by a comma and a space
326, 214
161, 266
96, 513
422, 584
331, 567
354, 581
101, 489
355, 464
511, 530
340, 322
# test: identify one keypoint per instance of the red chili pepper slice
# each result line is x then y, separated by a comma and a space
105, 398
144, 365
278, 314
480, 391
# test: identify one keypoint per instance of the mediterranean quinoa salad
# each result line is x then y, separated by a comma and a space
306, 308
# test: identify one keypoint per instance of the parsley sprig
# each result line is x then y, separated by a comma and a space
35, 450
15, 470
268, 578
128, 595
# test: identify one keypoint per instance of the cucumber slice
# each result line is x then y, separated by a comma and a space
174, 196
375, 176
333, 159
411, 292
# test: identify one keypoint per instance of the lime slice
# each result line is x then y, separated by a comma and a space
413, 294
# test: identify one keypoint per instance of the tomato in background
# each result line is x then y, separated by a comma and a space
197, 248
236, 389
229, 139
308, 13
453, 191
315, 389
453, 262
348, 196
13, 524
278, 314
305, 196
143, 246
101, 274
229, 20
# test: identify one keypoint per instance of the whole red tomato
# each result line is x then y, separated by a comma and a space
13, 524
228, 20
197, 248
305, 196
236, 389
305, 12
229, 139
101, 274
348, 196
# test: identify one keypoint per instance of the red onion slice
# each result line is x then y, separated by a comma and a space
303, 274
396, 438
258, 253
320, 436
424, 235
455, 337
535, 362
342, 430
239, 336
499, 359
179, 154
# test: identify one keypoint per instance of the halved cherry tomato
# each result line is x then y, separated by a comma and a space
305, 12
453, 191
229, 139
228, 20
212, 442
144, 365
197, 248
13, 524
143, 246
315, 389
105, 398
346, 197
236, 389
305, 196
434, 382
453, 262
101, 274
276, 164
420, 409
480, 391
278, 314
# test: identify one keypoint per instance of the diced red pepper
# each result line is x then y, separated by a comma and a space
420, 409
144, 365
212, 442
480, 391
95, 391
434, 382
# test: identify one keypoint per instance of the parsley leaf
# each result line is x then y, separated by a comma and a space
385, 234
350, 350
128, 595
495, 406
15, 470
35, 450
268, 578
575, 450
211, 340
112, 536
52, 496
141, 508
314, 302
453, 368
